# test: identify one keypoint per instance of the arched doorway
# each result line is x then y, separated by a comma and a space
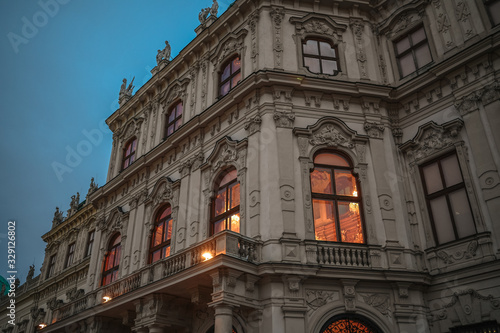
349, 323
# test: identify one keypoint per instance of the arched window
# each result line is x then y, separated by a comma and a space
226, 204
336, 200
162, 233
112, 261
320, 56
230, 76
349, 323
174, 119
129, 153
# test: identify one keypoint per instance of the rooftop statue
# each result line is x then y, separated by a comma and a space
163, 54
126, 92
203, 15
58, 216
215, 9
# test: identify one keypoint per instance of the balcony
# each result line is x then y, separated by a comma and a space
227, 243
342, 254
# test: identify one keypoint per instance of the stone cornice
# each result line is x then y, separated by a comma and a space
75, 221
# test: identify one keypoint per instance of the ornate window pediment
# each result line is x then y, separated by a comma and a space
402, 19
116, 222
318, 25
230, 45
165, 191
176, 90
431, 139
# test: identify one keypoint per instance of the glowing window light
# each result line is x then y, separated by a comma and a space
42, 326
106, 299
207, 256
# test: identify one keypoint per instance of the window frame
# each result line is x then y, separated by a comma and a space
229, 62
173, 108
487, 4
407, 34
228, 213
131, 157
319, 56
70, 255
116, 266
445, 192
52, 265
337, 197
90, 243
165, 243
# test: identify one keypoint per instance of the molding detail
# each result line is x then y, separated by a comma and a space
330, 136
380, 302
252, 125
432, 138
467, 253
374, 130
284, 119
277, 15
357, 27
317, 298
318, 24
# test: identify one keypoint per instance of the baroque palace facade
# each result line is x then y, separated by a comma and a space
301, 166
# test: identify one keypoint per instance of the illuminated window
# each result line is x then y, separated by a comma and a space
52, 265
226, 204
71, 254
129, 153
336, 200
493, 8
90, 243
162, 233
447, 199
349, 323
412, 52
484, 327
230, 76
174, 119
320, 56
112, 261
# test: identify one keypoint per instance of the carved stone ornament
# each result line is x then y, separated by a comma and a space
486, 95
330, 136
380, 302
406, 16
226, 152
198, 160
177, 90
432, 138
162, 192
277, 15
318, 298
374, 130
284, 119
319, 25
252, 125
467, 253
230, 45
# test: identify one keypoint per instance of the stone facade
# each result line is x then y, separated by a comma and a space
274, 275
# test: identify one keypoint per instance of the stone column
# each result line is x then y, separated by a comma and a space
252, 125
223, 318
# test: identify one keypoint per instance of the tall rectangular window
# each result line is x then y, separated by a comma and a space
71, 255
90, 242
412, 52
447, 200
52, 265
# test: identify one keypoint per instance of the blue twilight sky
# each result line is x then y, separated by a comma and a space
61, 67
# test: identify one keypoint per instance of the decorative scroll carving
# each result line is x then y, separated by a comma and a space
254, 54
432, 138
318, 298
319, 25
252, 125
464, 18
374, 130
277, 15
380, 302
330, 136
467, 253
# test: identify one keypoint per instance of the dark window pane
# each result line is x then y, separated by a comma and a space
494, 11
236, 79
230, 176
407, 64
166, 212
451, 170
226, 72
170, 129
171, 116
321, 181
418, 36
156, 256
326, 50
312, 64
224, 89
351, 230
311, 47
219, 226
423, 55
432, 177
329, 66
324, 220
442, 220
461, 213
179, 110
178, 123
402, 45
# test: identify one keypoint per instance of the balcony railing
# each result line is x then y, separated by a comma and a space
342, 254
227, 242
